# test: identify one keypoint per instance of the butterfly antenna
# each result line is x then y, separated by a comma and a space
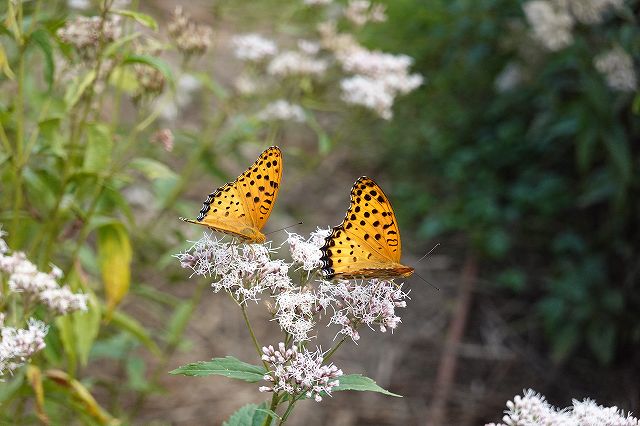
427, 255
286, 227
420, 276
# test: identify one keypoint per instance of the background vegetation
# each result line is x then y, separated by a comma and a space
521, 157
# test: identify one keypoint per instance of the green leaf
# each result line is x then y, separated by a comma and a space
114, 253
97, 157
64, 324
41, 39
358, 382
249, 415
617, 146
86, 326
156, 63
136, 368
178, 322
77, 89
229, 367
141, 18
153, 169
118, 45
133, 327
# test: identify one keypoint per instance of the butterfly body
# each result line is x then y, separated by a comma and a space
367, 242
242, 207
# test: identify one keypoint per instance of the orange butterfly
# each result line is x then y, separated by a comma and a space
367, 242
242, 207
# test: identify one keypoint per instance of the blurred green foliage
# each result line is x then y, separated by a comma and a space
542, 178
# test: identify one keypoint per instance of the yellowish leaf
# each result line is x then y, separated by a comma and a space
114, 252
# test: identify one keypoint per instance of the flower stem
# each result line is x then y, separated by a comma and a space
333, 350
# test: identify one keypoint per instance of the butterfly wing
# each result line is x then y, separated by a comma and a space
367, 242
242, 207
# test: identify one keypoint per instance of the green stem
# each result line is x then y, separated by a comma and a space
329, 354
257, 346
275, 400
292, 403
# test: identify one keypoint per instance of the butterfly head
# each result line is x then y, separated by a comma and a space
253, 235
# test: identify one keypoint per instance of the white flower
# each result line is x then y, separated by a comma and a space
307, 252
282, 110
85, 34
296, 308
294, 63
309, 47
532, 409
369, 93
359, 12
79, 4
3, 245
299, 373
380, 78
589, 413
62, 300
240, 269
551, 25
253, 47
317, 2
509, 78
169, 105
590, 11
617, 67
18, 345
372, 303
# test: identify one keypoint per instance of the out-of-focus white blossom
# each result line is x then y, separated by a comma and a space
532, 409
3, 245
79, 4
359, 12
509, 78
240, 269
309, 47
295, 314
590, 11
87, 33
380, 77
282, 110
170, 104
253, 47
307, 252
617, 67
551, 24
371, 303
369, 93
293, 63
62, 300
24, 277
190, 38
317, 2
248, 85
18, 345
299, 373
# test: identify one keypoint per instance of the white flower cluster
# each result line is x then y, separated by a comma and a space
379, 77
590, 11
18, 345
550, 23
244, 270
299, 373
296, 63
306, 252
360, 12
533, 410
25, 278
191, 38
253, 47
296, 310
356, 303
86, 33
317, 2
617, 67
282, 110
